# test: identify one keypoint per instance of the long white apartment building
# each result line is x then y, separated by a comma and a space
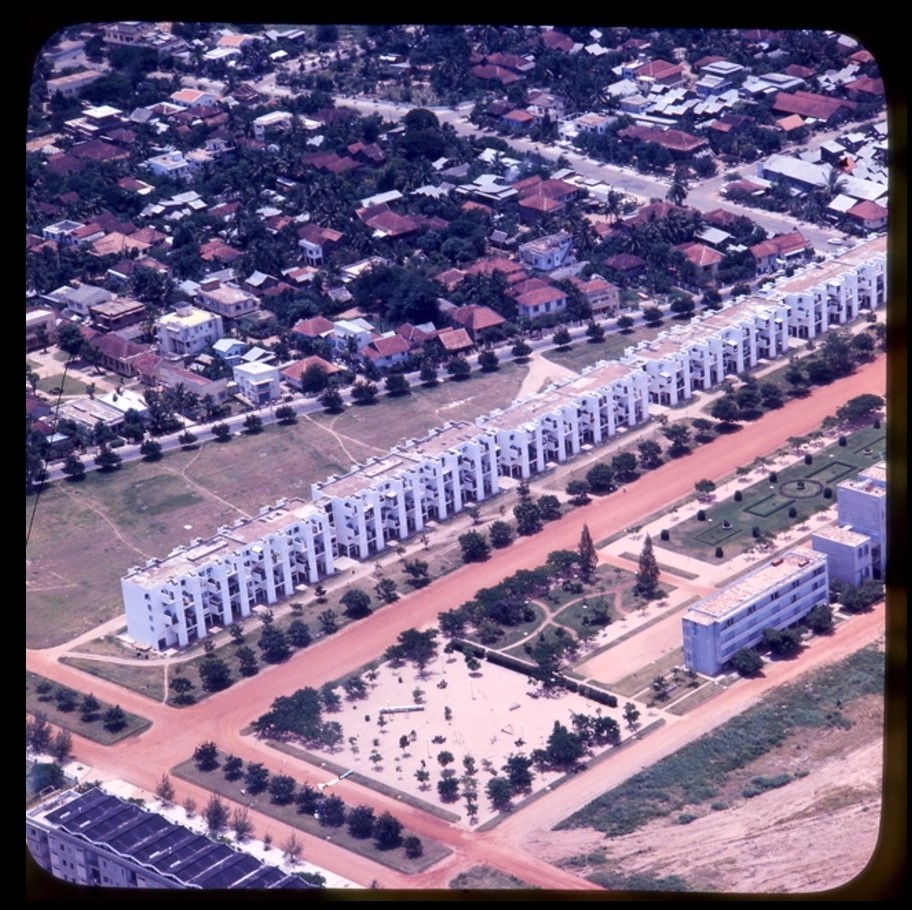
219, 580
423, 480
826, 294
556, 425
261, 560
777, 595
701, 354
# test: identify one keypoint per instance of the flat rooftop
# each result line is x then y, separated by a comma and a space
843, 535
768, 577
191, 558
409, 454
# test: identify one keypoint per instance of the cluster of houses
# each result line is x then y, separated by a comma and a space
215, 581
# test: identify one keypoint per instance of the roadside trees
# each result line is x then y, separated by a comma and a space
588, 556
500, 534
600, 478
73, 467
215, 814
747, 662
206, 756
332, 400
474, 547
357, 603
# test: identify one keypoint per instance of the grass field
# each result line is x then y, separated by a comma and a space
235, 790
693, 774
86, 535
766, 505
584, 353
36, 702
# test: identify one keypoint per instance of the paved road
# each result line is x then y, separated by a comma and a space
175, 733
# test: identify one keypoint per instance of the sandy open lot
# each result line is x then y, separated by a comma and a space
495, 713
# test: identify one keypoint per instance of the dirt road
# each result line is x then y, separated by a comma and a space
175, 733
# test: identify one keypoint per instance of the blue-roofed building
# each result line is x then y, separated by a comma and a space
94, 838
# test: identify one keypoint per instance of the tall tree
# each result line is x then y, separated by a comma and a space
588, 557
647, 579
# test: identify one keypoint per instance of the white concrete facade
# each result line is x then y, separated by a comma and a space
832, 293
390, 499
187, 331
777, 594
176, 600
259, 383
260, 561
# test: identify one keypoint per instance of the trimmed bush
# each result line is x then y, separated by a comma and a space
701, 515
774, 477
664, 535
808, 458
719, 553
843, 441
793, 512
827, 492
755, 531
738, 496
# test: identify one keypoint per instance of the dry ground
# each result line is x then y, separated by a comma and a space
816, 833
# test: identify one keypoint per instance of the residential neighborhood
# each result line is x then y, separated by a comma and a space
479, 278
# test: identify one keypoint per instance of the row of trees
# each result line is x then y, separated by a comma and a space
330, 810
113, 718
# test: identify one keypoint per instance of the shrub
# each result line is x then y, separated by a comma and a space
685, 818
718, 806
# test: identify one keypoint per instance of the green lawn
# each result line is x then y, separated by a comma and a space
584, 353
766, 505
85, 536
71, 720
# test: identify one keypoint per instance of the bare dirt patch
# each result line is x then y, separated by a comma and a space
815, 833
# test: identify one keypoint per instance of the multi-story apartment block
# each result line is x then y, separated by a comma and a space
100, 840
719, 344
429, 479
259, 561
219, 580
831, 293
775, 595
856, 546
187, 331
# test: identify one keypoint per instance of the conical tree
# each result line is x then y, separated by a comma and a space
647, 581
588, 557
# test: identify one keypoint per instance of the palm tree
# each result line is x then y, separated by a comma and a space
678, 190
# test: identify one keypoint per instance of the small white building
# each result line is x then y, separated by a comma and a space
187, 331
775, 595
258, 383
547, 253
274, 120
